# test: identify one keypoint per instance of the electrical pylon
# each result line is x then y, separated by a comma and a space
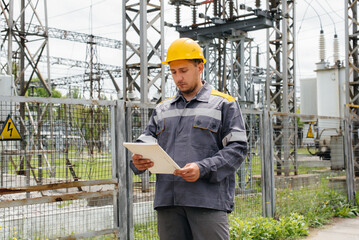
221, 28
24, 47
24, 51
143, 26
280, 86
352, 84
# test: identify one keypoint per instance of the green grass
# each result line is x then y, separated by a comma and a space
316, 204
297, 209
292, 220
302, 151
99, 165
136, 178
146, 231
260, 228
85, 166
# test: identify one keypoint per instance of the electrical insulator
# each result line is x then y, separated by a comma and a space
215, 8
231, 8
194, 15
258, 3
336, 48
321, 46
178, 15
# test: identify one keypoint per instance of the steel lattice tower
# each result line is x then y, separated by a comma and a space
352, 94
222, 33
143, 26
280, 87
25, 47
24, 51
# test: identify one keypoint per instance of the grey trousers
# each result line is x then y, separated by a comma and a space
190, 223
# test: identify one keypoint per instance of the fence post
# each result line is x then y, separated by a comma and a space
122, 205
349, 161
267, 169
145, 177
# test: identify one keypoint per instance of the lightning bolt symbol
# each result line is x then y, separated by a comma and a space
9, 129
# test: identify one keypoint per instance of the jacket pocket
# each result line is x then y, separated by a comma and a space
206, 123
160, 127
205, 136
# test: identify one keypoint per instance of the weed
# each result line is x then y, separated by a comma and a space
268, 228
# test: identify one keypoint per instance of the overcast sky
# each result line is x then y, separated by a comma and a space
104, 18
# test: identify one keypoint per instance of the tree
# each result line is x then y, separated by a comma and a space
36, 90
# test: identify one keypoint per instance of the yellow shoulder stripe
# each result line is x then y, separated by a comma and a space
167, 99
224, 95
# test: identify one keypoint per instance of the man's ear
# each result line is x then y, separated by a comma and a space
200, 67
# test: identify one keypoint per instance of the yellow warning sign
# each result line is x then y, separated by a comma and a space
9, 131
310, 132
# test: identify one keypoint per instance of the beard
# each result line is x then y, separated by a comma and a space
188, 91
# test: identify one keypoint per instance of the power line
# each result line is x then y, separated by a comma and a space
320, 20
305, 13
341, 17
309, 18
99, 27
77, 10
335, 29
313, 28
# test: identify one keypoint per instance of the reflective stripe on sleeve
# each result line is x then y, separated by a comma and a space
147, 138
234, 137
213, 113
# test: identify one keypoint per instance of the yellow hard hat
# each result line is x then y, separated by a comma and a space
184, 48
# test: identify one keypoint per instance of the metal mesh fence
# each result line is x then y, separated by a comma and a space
53, 220
58, 180
248, 198
308, 166
74, 144
355, 141
248, 193
61, 179
316, 164
144, 216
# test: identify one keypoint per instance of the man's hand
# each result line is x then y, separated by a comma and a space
190, 172
141, 163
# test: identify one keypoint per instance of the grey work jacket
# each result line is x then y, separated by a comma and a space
208, 130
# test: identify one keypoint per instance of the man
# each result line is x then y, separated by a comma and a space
203, 131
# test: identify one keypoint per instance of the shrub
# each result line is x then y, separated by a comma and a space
268, 228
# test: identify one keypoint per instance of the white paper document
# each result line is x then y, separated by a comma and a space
163, 163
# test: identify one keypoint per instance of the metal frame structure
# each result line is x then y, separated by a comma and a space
280, 86
74, 36
144, 72
21, 41
352, 96
228, 50
352, 63
24, 50
223, 35
114, 186
35, 28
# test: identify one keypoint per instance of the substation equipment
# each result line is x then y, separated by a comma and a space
324, 96
221, 28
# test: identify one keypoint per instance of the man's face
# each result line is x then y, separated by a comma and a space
187, 75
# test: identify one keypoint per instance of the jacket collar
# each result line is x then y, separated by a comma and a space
203, 94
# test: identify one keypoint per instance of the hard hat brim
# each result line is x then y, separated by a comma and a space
168, 62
